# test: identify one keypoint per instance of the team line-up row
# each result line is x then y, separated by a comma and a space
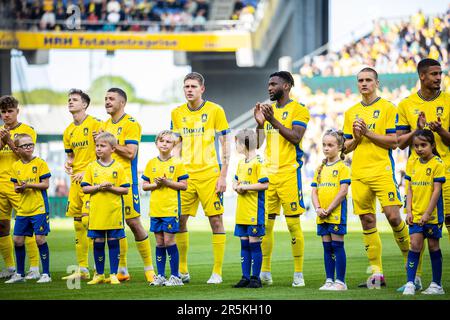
102, 163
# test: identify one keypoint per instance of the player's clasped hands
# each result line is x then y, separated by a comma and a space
4, 134
20, 188
435, 126
421, 121
425, 218
322, 213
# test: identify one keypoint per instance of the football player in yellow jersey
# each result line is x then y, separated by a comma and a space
198, 123
250, 183
428, 108
9, 108
425, 209
165, 176
128, 134
30, 176
106, 182
369, 127
283, 124
79, 145
329, 197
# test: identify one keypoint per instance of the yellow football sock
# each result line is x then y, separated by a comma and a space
297, 242
144, 249
372, 242
123, 252
32, 251
218, 242
182, 240
267, 246
7, 251
419, 265
401, 235
81, 244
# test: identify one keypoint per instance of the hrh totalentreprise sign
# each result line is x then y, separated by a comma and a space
222, 41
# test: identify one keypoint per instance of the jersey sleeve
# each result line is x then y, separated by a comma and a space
409, 167
147, 174
314, 180
439, 172
348, 126
87, 178
402, 121
132, 134
261, 173
301, 116
344, 175
174, 123
181, 172
221, 124
122, 178
66, 141
13, 174
44, 171
391, 119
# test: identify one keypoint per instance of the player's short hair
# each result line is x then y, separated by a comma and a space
195, 76
8, 102
84, 96
119, 91
285, 75
369, 69
108, 137
248, 138
20, 136
165, 133
424, 64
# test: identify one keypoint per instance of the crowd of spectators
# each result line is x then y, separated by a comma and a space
392, 47
122, 15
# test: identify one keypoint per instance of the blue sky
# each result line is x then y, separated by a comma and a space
153, 73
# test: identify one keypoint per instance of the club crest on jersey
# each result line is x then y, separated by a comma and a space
119, 131
294, 206
335, 173
284, 116
114, 174
204, 117
86, 131
127, 210
34, 169
217, 205
428, 171
171, 169
249, 171
391, 196
376, 114
439, 111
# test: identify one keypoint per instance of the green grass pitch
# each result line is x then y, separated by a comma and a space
200, 262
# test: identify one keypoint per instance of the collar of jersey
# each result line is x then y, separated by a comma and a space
123, 116
284, 105
198, 109
434, 98
372, 103
18, 125
109, 165
81, 121
163, 160
332, 164
30, 160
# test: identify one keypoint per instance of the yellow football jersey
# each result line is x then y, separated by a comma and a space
106, 210
251, 205
369, 159
127, 131
281, 156
331, 178
198, 130
7, 156
165, 201
78, 140
422, 177
32, 201
408, 112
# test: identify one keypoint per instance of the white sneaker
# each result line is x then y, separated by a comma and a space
339, 286
16, 277
434, 288
7, 273
185, 277
45, 278
266, 277
298, 280
214, 279
173, 281
410, 289
418, 283
158, 281
328, 285
33, 275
